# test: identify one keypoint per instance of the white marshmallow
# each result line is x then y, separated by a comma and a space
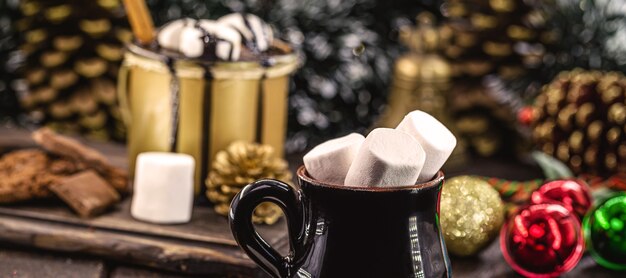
257, 29
187, 37
191, 43
387, 157
437, 141
169, 34
230, 39
163, 188
329, 162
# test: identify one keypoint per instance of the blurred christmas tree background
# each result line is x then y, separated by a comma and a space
72, 51
9, 60
349, 47
501, 53
504, 51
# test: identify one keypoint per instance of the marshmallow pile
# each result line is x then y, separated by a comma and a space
411, 153
231, 32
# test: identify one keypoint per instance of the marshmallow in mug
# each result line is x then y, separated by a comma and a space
387, 157
252, 28
187, 36
163, 187
436, 140
329, 162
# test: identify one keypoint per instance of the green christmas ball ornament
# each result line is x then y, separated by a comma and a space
605, 233
471, 213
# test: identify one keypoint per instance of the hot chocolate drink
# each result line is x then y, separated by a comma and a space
202, 84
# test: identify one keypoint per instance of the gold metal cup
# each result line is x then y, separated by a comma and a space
246, 101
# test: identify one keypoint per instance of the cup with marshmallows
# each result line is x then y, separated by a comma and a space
365, 207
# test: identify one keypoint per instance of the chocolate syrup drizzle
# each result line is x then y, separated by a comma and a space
206, 122
259, 111
210, 44
250, 43
174, 98
265, 63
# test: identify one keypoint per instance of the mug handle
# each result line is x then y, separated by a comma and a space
292, 202
122, 93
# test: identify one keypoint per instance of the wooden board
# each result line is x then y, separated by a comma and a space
202, 246
18, 262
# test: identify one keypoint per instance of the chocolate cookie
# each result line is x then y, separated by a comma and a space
25, 176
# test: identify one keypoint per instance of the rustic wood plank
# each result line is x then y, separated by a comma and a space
15, 262
128, 272
160, 253
205, 226
133, 272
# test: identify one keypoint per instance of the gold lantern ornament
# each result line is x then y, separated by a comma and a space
421, 79
240, 164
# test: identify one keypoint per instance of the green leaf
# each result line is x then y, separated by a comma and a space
552, 167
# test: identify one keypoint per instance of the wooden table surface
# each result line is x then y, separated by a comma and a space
29, 254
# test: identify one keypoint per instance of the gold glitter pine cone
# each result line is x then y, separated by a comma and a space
240, 164
580, 118
471, 213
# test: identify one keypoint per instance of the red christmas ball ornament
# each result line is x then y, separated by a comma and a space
574, 195
542, 240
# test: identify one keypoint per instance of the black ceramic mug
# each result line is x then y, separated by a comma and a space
339, 231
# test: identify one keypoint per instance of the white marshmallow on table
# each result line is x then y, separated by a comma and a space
436, 140
256, 28
329, 162
387, 157
163, 188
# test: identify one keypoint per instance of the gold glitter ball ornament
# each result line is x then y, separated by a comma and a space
472, 214
240, 164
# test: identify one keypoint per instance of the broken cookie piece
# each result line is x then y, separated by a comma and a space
86, 193
73, 150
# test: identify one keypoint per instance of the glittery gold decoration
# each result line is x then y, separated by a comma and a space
589, 109
239, 165
471, 214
